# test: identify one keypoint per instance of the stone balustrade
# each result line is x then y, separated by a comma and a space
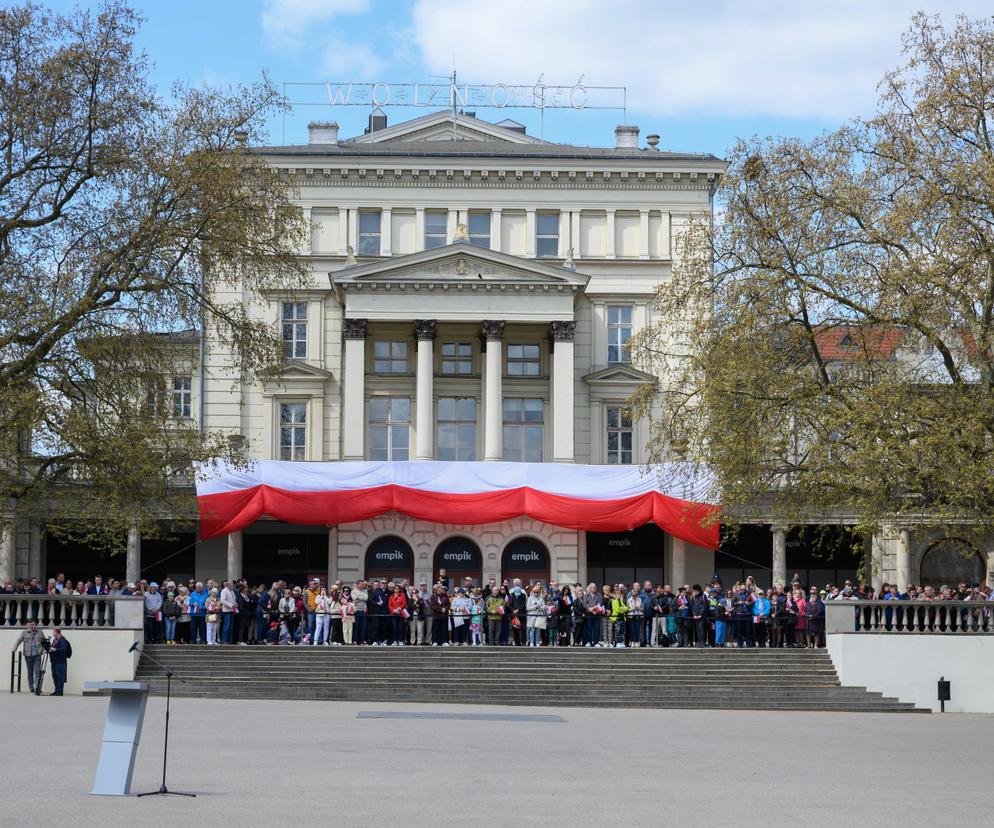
910, 617
72, 611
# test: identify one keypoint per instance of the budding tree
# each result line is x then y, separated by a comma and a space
827, 342
123, 217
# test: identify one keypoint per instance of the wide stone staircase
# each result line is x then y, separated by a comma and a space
561, 677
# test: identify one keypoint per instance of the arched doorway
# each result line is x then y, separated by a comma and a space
525, 558
390, 557
460, 558
952, 561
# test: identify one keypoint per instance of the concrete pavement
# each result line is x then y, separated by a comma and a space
314, 763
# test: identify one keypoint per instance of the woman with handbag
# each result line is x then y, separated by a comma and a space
213, 609
535, 609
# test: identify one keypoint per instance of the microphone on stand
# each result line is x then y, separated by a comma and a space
133, 647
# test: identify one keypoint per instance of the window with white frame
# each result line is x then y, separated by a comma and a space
523, 429
295, 330
619, 436
389, 357
293, 431
619, 331
369, 233
436, 228
479, 230
456, 419
182, 397
547, 235
457, 359
523, 360
389, 428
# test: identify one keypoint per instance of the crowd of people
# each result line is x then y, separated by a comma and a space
379, 612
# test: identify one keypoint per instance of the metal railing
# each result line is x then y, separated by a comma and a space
910, 617
72, 611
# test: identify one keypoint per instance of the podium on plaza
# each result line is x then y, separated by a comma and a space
122, 731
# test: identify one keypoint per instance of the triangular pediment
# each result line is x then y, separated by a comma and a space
439, 126
298, 369
620, 374
460, 264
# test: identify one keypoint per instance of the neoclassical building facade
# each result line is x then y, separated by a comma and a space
473, 290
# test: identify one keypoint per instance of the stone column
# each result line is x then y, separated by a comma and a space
235, 555
35, 568
332, 554
902, 548
8, 553
779, 554
354, 229
493, 434
877, 560
609, 239
133, 565
419, 229
530, 233
353, 390
424, 330
495, 228
678, 562
643, 234
386, 229
561, 336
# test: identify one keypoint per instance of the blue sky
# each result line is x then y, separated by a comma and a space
700, 75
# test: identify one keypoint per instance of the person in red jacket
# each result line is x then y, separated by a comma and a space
397, 605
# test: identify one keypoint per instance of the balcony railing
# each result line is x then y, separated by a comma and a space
910, 617
121, 612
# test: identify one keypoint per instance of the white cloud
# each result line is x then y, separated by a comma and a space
349, 61
747, 58
285, 23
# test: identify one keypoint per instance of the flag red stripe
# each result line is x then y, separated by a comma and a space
230, 511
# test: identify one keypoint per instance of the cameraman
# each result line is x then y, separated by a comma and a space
59, 651
33, 644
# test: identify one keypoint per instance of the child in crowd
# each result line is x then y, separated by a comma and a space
476, 619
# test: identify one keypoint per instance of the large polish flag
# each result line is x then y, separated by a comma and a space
573, 496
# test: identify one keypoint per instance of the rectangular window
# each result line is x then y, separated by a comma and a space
389, 428
182, 397
523, 420
436, 228
479, 229
457, 359
293, 431
547, 235
295, 330
619, 331
619, 436
390, 357
523, 360
369, 233
456, 428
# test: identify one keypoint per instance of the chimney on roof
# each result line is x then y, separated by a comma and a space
322, 132
377, 121
626, 136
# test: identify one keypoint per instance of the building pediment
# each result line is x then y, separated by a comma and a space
461, 266
295, 369
616, 376
440, 126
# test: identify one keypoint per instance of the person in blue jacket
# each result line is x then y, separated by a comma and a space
760, 616
198, 614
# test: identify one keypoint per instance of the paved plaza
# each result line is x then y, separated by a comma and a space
253, 760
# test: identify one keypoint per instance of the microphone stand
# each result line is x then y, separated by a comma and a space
165, 747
